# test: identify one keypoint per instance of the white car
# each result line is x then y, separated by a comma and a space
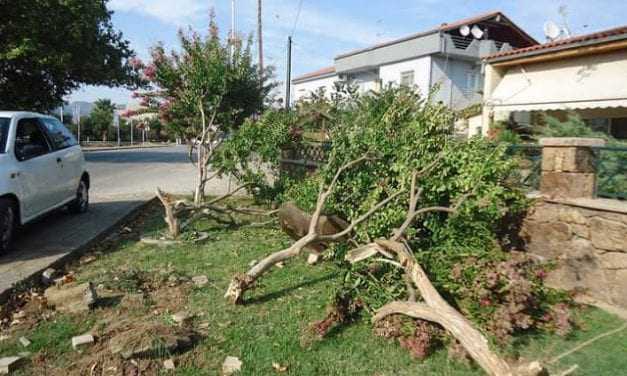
42, 168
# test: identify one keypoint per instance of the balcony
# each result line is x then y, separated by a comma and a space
470, 48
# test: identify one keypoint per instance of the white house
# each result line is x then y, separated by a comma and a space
448, 56
586, 74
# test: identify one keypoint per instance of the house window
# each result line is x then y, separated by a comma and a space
615, 127
599, 124
407, 78
619, 128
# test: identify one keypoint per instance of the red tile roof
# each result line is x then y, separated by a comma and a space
572, 42
445, 27
314, 74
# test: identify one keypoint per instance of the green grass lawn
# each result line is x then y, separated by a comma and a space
269, 327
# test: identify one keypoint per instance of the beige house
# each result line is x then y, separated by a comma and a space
585, 74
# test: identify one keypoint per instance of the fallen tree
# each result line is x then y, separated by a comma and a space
179, 214
444, 258
241, 283
433, 307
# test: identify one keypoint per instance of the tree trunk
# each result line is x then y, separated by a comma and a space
241, 283
437, 310
171, 218
199, 193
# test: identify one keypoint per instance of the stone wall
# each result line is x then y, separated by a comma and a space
587, 240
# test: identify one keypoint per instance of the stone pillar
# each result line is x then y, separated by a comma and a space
568, 169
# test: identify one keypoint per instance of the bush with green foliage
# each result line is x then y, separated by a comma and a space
403, 132
252, 153
101, 118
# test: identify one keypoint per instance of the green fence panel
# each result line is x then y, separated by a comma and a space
611, 168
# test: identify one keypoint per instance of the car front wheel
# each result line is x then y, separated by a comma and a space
8, 220
81, 202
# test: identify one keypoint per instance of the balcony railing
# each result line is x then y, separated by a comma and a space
611, 169
529, 159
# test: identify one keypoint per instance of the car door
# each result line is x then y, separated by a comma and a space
67, 154
36, 168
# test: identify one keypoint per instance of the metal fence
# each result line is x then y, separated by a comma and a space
611, 169
305, 158
610, 163
529, 158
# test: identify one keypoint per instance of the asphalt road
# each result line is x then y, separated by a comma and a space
136, 173
121, 181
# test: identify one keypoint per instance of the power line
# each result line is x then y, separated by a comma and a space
300, 7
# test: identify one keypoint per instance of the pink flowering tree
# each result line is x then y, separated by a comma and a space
203, 93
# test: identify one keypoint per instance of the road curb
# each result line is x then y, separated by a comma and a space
35, 280
113, 148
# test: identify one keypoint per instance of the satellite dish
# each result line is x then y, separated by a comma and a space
477, 32
551, 30
464, 30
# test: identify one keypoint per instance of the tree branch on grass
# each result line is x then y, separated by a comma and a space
433, 307
174, 209
241, 283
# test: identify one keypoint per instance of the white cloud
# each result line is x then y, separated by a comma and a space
179, 12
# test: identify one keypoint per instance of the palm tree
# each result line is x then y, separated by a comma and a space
102, 117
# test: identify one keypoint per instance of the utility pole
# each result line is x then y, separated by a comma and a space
260, 37
288, 81
116, 124
131, 122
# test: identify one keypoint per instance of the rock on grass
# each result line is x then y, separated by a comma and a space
231, 366
9, 364
72, 298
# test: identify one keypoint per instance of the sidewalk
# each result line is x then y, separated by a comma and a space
58, 237
87, 149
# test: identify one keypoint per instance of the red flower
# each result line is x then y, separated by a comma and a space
541, 274
150, 72
136, 63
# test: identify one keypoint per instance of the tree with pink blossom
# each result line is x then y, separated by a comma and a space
204, 92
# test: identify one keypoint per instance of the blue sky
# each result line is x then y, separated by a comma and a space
326, 28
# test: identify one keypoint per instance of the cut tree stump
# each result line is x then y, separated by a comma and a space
295, 223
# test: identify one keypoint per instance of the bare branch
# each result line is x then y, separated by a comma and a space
438, 310
224, 197
361, 219
324, 194
212, 176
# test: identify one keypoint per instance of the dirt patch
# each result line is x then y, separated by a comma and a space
134, 332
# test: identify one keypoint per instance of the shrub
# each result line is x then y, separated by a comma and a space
466, 255
252, 153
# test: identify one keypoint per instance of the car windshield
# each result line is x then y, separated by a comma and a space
4, 133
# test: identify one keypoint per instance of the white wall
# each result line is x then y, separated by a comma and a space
475, 126
366, 81
391, 73
304, 89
